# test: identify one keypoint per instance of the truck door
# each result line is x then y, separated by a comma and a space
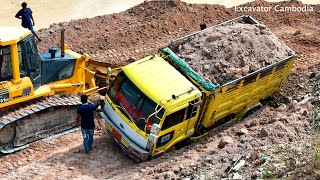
192, 115
177, 126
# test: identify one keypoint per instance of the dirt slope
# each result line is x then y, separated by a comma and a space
150, 25
141, 30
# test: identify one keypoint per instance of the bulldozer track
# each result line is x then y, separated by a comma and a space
35, 120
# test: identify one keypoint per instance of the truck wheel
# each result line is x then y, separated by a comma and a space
7, 134
182, 144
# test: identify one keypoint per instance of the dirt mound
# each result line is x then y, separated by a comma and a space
230, 51
132, 34
141, 30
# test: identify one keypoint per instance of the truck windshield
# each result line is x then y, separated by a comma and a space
125, 94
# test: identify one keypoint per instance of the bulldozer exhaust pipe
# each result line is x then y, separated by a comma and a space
62, 42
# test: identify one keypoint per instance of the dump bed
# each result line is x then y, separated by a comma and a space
235, 63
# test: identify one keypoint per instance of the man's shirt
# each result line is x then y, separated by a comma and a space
86, 113
26, 17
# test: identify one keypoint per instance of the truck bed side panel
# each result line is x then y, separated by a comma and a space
238, 96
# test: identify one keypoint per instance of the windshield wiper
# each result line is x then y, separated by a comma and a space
126, 112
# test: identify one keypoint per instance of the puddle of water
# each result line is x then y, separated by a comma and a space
46, 12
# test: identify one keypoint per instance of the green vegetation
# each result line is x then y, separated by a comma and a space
317, 156
266, 174
315, 120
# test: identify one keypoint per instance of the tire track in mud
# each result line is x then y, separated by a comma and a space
67, 159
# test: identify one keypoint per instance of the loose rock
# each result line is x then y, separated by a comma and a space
242, 131
236, 176
224, 141
264, 132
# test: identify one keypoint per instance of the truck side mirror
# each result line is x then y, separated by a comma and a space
109, 70
141, 123
155, 129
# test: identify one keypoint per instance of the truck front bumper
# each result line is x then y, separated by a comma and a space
129, 147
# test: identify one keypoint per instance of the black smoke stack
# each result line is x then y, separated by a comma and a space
62, 42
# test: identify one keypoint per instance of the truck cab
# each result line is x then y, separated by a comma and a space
147, 110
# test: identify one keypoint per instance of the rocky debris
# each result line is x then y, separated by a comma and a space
227, 52
293, 105
30, 151
239, 165
236, 176
264, 132
282, 107
169, 175
225, 168
298, 32
253, 156
71, 168
242, 131
224, 141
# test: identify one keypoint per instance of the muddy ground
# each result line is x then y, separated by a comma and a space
280, 131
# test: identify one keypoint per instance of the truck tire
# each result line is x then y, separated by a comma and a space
182, 144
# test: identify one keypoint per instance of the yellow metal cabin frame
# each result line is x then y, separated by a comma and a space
82, 80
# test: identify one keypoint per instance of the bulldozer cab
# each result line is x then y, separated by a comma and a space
19, 58
25, 73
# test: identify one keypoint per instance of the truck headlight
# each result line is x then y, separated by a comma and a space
152, 140
155, 129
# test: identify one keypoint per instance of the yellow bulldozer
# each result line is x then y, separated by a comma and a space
40, 92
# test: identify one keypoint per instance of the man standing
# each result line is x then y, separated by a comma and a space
86, 113
25, 14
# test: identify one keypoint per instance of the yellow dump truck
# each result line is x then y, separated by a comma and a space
159, 101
